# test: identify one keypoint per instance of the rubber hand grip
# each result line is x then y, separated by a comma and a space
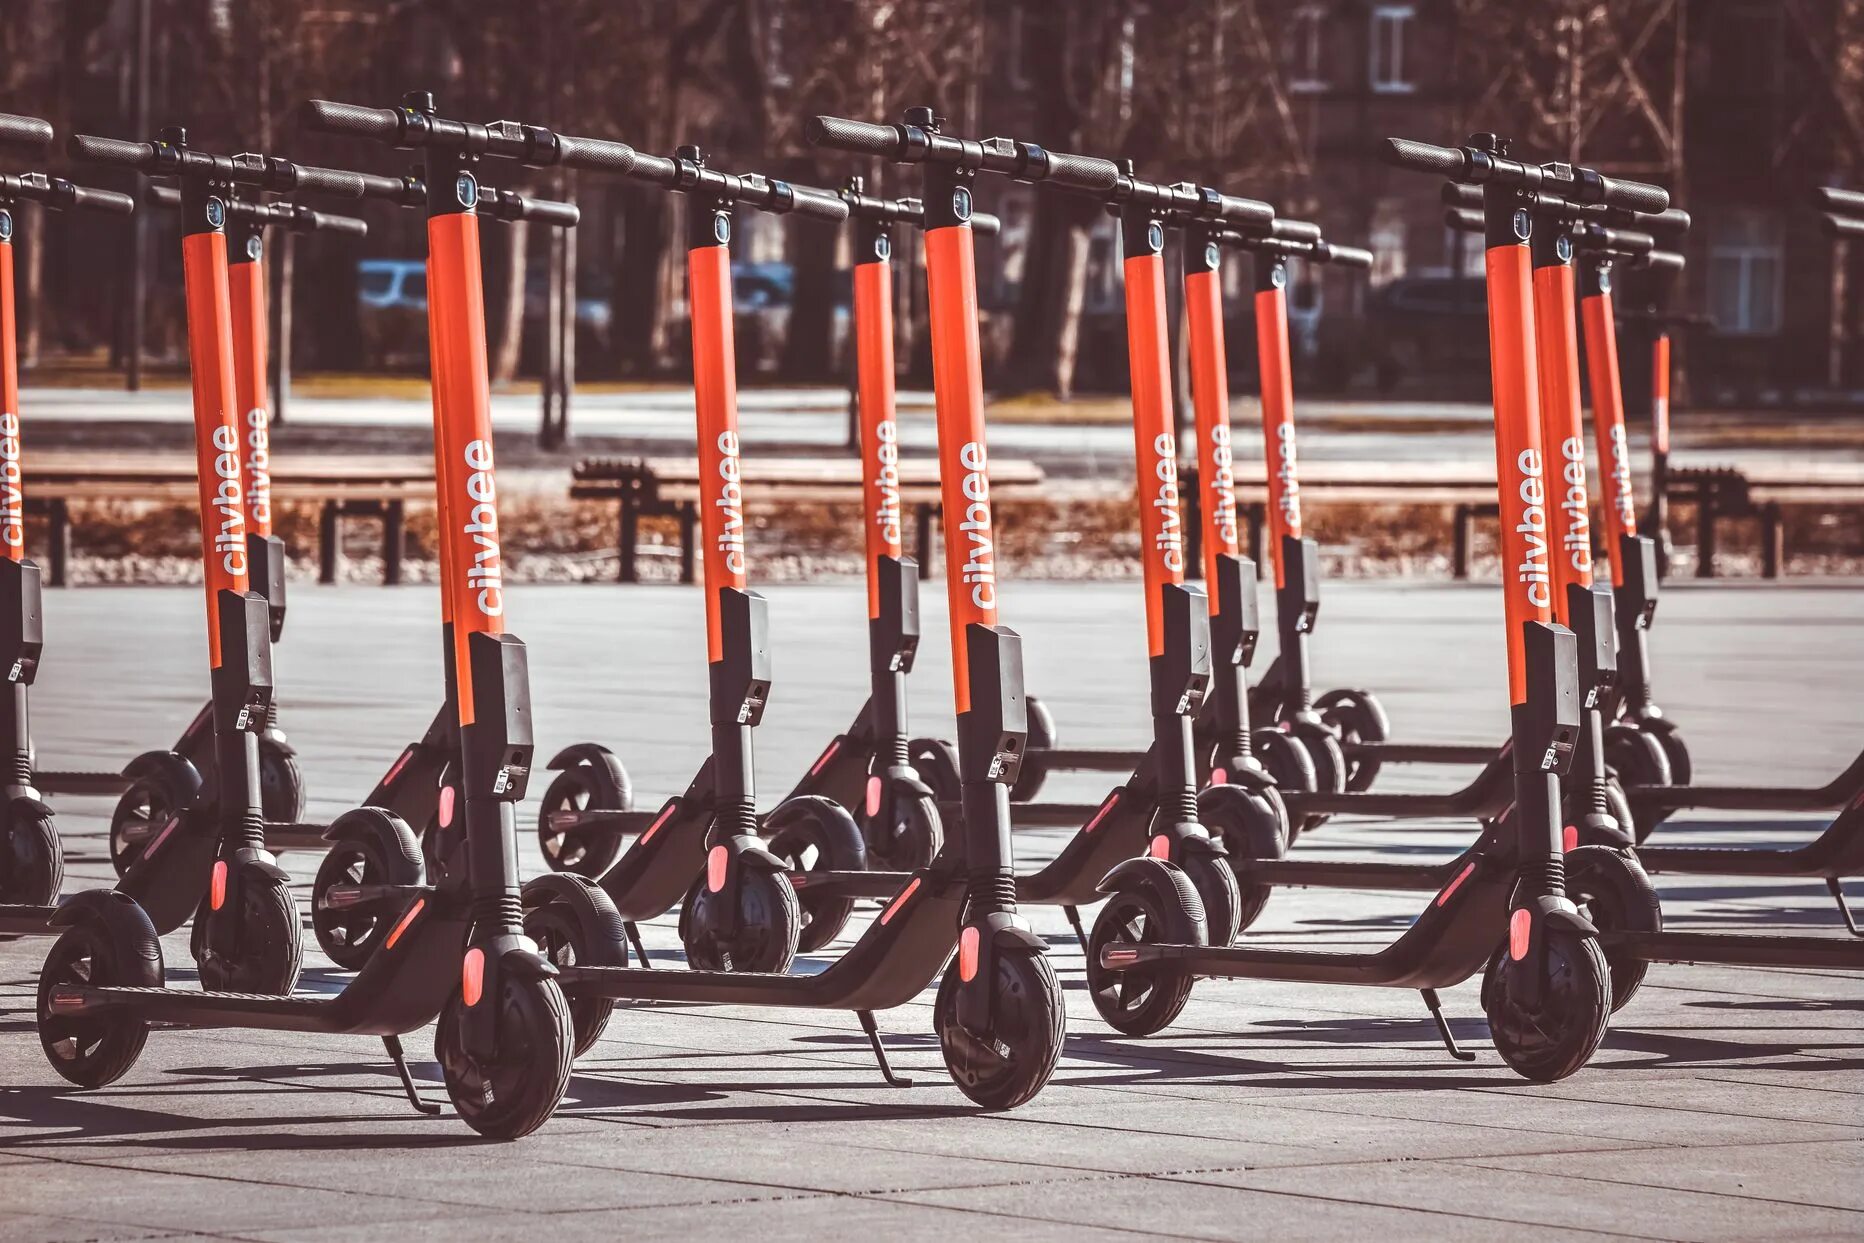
556, 214
819, 204
1460, 194
1634, 195
1086, 172
595, 154
1422, 157
94, 150
1463, 219
1660, 261
1845, 202
1843, 226
28, 132
1295, 230
1623, 241
165, 196
1347, 256
985, 224
336, 182
1671, 221
102, 200
375, 186
859, 137
1239, 211
320, 222
331, 117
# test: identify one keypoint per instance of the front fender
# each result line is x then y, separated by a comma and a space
26, 805
527, 964
616, 789
168, 766
388, 831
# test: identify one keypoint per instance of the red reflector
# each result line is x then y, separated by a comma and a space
715, 864
874, 788
1100, 815
660, 820
445, 811
472, 976
161, 837
967, 953
1456, 884
1219, 777
1112, 956
1569, 837
402, 926
1520, 930
399, 765
217, 896
1161, 847
893, 907
825, 757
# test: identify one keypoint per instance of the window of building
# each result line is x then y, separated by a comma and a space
1746, 273
1306, 74
1391, 25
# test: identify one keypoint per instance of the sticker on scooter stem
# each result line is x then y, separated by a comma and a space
485, 576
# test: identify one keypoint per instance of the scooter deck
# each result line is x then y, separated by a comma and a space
1731, 949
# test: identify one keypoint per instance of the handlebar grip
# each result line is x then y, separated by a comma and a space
858, 137
1634, 195
1625, 241
1344, 256
557, 215
1295, 230
1659, 261
95, 150
376, 186
22, 131
166, 196
1422, 157
331, 117
1670, 220
322, 222
986, 224
1843, 226
336, 182
595, 154
1846, 202
1095, 175
1242, 212
102, 200
1461, 194
1463, 219
821, 204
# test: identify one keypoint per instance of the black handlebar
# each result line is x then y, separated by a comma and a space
1342, 256
1843, 226
1843, 202
409, 127
1477, 166
921, 144
62, 195
510, 205
293, 216
29, 133
910, 211
173, 159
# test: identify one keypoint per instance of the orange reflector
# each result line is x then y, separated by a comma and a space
399, 765
1569, 837
825, 757
1456, 884
445, 812
402, 926
1161, 847
660, 820
1219, 777
472, 976
967, 953
715, 864
1100, 815
1520, 929
217, 897
893, 907
874, 788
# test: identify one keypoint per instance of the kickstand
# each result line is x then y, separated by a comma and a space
880, 1050
393, 1045
1074, 921
1443, 1029
634, 939
1838, 895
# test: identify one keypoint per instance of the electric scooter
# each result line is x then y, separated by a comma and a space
999, 1012
1546, 988
457, 951
32, 860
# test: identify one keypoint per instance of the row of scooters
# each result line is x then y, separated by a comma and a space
419, 891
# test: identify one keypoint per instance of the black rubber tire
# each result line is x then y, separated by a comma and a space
1635, 758
1356, 716
1613, 891
1042, 737
32, 861
515, 1096
813, 834
1290, 766
1142, 913
150, 799
349, 938
1329, 764
1031, 1020
911, 835
271, 943
1247, 822
116, 945
770, 921
936, 762
1675, 750
564, 940
1215, 882
1576, 806
1579, 1006
281, 783
589, 854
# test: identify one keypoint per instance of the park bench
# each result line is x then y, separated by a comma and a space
669, 487
344, 487
1759, 490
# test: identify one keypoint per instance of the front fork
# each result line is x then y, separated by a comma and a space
991, 737
495, 766
1297, 605
1546, 730
740, 685
1635, 604
1180, 678
892, 645
1234, 626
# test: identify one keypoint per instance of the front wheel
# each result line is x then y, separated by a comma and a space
1289, 765
936, 762
281, 782
1637, 758
815, 834
1246, 822
904, 833
513, 1095
567, 845
769, 925
1215, 882
1613, 892
270, 945
32, 862
1559, 1036
1008, 1066
1356, 717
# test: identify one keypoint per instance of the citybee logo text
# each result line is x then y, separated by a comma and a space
1619, 469
1532, 527
485, 577
887, 481
12, 499
729, 501
258, 466
1223, 487
228, 501
1284, 470
1168, 528
1577, 542
980, 565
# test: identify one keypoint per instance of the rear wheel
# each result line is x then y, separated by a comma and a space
514, 1094
567, 943
1637, 758
281, 782
32, 861
1042, 737
143, 813
813, 834
569, 847
1245, 821
1356, 717
936, 762
113, 946
1560, 1035
350, 933
1008, 1066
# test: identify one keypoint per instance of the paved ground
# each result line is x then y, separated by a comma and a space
1726, 1104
